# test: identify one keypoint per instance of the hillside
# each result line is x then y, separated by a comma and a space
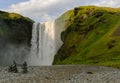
92, 37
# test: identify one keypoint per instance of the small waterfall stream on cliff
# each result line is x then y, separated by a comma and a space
44, 44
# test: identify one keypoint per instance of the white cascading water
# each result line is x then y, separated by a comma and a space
44, 42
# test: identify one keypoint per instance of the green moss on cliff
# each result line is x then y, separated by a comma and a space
15, 28
92, 37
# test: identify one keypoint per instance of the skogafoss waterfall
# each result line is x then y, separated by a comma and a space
45, 43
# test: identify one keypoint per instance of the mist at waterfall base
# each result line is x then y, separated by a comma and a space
10, 52
45, 43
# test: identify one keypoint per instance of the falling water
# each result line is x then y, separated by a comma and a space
44, 43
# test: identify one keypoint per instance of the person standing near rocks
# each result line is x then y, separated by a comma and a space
24, 67
13, 68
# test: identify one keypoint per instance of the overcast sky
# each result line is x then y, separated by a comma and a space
44, 10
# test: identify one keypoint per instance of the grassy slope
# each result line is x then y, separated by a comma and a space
92, 37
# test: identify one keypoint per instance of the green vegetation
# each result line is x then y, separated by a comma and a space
92, 37
15, 28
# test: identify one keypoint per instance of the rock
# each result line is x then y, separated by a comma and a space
89, 72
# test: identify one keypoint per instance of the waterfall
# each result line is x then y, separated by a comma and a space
45, 40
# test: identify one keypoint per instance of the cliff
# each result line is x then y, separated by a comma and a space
15, 28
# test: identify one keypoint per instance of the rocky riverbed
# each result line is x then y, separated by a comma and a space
62, 74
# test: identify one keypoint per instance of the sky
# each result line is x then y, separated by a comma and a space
45, 10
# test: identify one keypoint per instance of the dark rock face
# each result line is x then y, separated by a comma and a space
76, 10
17, 31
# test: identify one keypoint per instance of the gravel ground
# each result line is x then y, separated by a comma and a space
62, 74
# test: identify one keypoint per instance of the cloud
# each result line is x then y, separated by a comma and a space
108, 3
43, 10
